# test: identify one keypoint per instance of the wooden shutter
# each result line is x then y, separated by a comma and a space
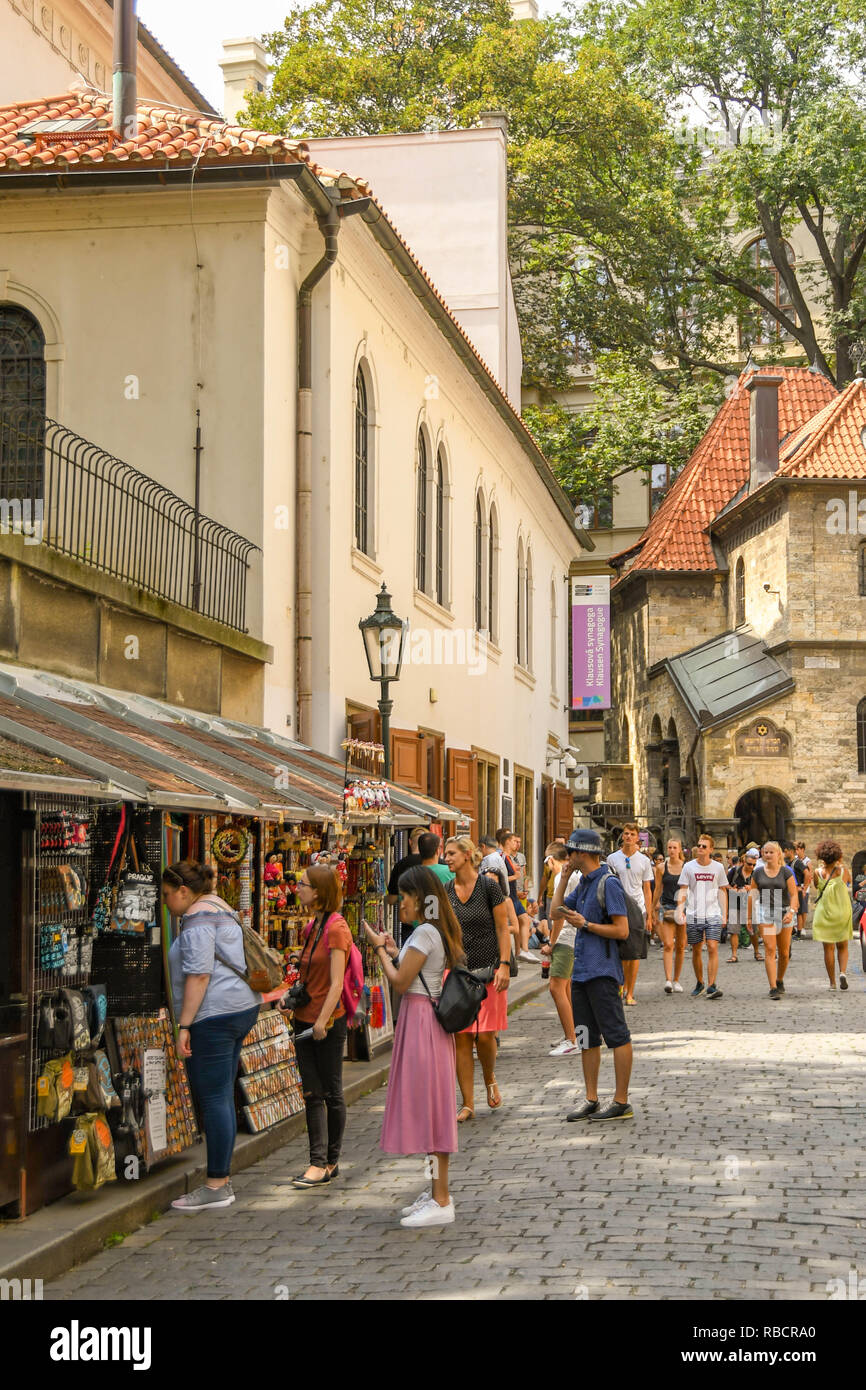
365, 725
563, 811
408, 762
462, 786
547, 810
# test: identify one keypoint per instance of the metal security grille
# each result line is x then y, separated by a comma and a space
74, 497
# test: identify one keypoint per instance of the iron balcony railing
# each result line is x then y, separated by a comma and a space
64, 492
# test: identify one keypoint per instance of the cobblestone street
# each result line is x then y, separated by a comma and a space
741, 1176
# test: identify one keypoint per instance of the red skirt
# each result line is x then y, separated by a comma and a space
493, 1017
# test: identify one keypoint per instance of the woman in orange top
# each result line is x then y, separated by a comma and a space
322, 965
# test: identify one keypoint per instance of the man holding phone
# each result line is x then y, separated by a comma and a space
597, 909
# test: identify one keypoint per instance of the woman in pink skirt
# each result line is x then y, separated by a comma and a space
419, 1110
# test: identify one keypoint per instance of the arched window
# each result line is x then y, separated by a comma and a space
739, 593
861, 569
362, 466
493, 574
521, 604
759, 327
480, 595
861, 736
22, 361
528, 609
440, 528
421, 508
22, 402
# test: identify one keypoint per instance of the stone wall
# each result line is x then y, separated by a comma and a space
58, 615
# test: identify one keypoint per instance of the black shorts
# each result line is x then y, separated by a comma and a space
598, 1012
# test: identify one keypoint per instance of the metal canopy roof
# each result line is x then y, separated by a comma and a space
132, 747
727, 676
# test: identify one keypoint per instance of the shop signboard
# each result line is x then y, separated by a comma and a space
590, 642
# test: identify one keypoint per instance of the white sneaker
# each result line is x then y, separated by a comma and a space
418, 1202
430, 1214
678, 989
669, 989
527, 955
563, 1049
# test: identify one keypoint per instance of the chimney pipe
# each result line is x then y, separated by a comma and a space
763, 427
125, 56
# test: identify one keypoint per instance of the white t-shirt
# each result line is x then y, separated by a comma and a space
632, 875
567, 933
426, 939
703, 882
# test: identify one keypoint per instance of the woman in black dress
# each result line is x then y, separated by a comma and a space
480, 907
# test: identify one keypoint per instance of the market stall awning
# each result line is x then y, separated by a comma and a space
62, 734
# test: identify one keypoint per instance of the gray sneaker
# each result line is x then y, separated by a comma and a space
204, 1197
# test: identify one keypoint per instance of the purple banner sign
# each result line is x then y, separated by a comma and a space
590, 642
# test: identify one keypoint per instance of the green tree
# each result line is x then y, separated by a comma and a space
637, 423
632, 227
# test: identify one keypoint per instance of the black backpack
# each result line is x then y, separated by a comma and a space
633, 946
459, 1004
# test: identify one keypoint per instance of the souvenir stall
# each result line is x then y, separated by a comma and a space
109, 1095
366, 799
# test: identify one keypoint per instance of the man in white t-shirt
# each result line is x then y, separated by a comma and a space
635, 873
702, 903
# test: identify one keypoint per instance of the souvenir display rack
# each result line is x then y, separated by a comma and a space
130, 967
135, 1036
364, 900
269, 1081
232, 848
365, 791
289, 851
63, 839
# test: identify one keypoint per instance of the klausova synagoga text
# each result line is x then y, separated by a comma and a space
739, 623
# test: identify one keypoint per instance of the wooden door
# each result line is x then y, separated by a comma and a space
462, 785
408, 762
563, 812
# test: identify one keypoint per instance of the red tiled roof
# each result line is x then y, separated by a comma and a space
676, 538
833, 443
169, 138
164, 134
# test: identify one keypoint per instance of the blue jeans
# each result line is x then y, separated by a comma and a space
212, 1068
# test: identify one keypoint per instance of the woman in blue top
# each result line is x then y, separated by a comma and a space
214, 1009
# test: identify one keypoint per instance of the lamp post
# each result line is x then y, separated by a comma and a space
384, 640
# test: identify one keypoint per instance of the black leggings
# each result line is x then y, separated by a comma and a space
321, 1068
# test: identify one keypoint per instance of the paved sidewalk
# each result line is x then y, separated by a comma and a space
741, 1177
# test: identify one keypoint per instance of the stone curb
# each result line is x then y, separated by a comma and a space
50, 1242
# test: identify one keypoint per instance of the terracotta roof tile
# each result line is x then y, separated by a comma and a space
676, 538
833, 443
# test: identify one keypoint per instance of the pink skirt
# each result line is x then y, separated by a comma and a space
421, 1106
493, 1017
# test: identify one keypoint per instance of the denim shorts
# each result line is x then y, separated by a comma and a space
697, 932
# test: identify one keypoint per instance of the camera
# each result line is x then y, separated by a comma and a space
296, 998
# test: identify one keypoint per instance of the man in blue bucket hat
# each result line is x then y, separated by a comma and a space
597, 908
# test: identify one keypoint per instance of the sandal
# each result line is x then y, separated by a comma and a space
760, 959
732, 960
494, 1104
465, 1113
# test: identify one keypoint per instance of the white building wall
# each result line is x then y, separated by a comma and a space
484, 702
447, 193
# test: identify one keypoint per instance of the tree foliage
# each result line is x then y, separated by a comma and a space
651, 142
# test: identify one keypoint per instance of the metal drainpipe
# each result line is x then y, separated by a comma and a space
329, 226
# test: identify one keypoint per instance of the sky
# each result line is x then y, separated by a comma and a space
192, 31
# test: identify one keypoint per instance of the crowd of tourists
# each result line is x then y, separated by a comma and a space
471, 908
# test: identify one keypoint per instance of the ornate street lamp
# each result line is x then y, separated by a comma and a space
384, 640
